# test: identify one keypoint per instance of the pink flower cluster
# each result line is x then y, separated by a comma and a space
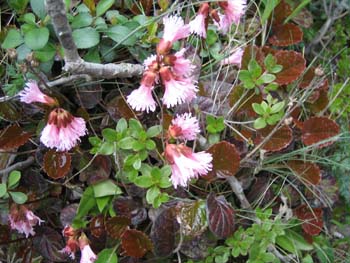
63, 131
172, 70
185, 164
23, 220
73, 243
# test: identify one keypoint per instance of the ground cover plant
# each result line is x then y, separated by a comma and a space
174, 131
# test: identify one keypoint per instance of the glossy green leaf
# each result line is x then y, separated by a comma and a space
3, 190
13, 39
152, 193
36, 38
107, 255
81, 20
86, 37
38, 7
106, 188
103, 6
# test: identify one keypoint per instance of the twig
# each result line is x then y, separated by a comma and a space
73, 62
237, 189
69, 79
18, 166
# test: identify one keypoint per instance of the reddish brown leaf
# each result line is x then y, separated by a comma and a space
307, 171
278, 141
285, 35
281, 12
225, 159
245, 103
98, 171
136, 243
312, 219
97, 226
57, 164
252, 52
221, 216
117, 225
12, 137
317, 129
320, 103
118, 108
163, 233
128, 207
293, 66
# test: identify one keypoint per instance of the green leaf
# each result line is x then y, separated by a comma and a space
107, 148
126, 143
212, 37
110, 134
160, 199
102, 202
122, 125
106, 188
276, 69
19, 197
81, 20
150, 145
38, 7
95, 141
273, 119
46, 53
107, 255
18, 5
154, 131
86, 37
13, 179
254, 69
292, 242
271, 87
138, 146
152, 193
135, 125
258, 109
259, 123
137, 163
296, 10
13, 39
87, 202
144, 181
164, 182
121, 35
3, 190
269, 7
36, 38
103, 6
277, 107
265, 78
29, 18
165, 170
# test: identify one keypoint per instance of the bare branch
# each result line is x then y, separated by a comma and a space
237, 189
69, 79
18, 166
74, 63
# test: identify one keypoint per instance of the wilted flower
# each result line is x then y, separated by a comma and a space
63, 130
71, 247
181, 66
23, 220
233, 11
198, 24
184, 127
185, 164
234, 59
31, 93
87, 255
177, 89
141, 99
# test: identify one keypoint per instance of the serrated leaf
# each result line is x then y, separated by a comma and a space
135, 243
117, 225
12, 137
220, 216
278, 141
57, 164
192, 217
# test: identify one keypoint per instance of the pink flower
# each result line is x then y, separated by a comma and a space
233, 11
23, 220
175, 29
71, 247
177, 90
150, 61
198, 25
87, 255
141, 99
63, 131
185, 164
234, 59
31, 93
181, 65
184, 127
